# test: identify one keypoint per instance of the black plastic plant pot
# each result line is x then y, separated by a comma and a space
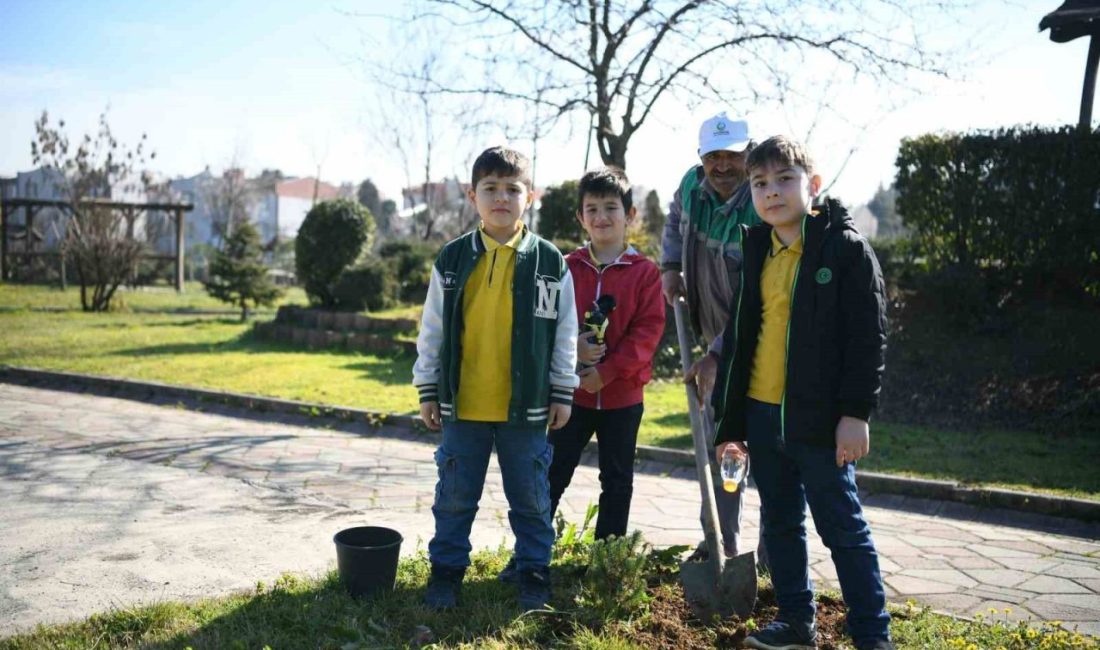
366, 558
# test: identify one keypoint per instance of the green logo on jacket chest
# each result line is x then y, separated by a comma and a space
824, 275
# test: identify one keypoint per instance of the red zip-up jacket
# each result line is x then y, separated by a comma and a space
636, 324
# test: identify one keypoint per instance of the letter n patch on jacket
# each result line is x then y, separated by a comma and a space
546, 300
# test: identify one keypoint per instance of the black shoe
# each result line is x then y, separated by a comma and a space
783, 636
875, 644
443, 586
509, 574
534, 588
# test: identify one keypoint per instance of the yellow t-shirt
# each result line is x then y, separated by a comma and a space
769, 363
485, 382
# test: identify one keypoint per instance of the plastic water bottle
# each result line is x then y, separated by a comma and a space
733, 469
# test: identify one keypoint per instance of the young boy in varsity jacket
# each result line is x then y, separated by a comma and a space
495, 368
800, 374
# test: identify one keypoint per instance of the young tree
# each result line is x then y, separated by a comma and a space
386, 218
617, 60
237, 272
369, 197
648, 227
98, 239
654, 216
413, 122
882, 204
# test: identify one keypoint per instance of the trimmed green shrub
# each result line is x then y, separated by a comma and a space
1019, 206
413, 263
370, 286
329, 240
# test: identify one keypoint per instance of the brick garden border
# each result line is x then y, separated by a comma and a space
317, 328
875, 482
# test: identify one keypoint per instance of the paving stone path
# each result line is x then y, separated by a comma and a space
109, 503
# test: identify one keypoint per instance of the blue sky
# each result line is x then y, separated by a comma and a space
280, 84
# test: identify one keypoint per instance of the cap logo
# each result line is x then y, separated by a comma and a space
720, 128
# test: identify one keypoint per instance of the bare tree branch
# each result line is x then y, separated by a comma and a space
619, 60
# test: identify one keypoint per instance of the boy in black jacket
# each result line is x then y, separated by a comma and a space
801, 364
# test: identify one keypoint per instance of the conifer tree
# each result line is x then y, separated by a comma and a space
237, 272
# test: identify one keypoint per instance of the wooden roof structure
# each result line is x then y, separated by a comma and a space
31, 207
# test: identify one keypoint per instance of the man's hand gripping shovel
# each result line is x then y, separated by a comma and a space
716, 585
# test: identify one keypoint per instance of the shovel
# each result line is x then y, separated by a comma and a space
716, 586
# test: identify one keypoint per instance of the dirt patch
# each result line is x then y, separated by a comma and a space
672, 625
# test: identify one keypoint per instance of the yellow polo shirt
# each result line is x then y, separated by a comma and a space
485, 382
769, 363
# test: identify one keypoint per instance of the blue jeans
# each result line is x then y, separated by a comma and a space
524, 457
788, 475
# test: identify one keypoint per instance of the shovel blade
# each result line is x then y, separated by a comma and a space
734, 593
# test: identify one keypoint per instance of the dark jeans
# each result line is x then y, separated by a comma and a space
788, 475
616, 434
524, 457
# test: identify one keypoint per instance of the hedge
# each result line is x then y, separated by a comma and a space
1022, 203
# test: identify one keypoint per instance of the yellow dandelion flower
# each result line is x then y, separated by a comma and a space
1032, 633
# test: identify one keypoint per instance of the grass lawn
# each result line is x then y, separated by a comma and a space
297, 612
194, 297
219, 353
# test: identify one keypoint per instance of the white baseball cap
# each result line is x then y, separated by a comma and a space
721, 133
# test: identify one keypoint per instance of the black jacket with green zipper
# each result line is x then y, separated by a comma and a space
543, 336
836, 336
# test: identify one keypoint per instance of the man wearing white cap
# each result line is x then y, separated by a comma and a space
701, 260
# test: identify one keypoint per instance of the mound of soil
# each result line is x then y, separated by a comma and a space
673, 625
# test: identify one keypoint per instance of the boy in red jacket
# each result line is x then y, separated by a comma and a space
609, 400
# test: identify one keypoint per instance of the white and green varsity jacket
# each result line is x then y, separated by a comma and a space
544, 329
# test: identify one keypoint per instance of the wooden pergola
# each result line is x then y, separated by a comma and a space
1074, 19
130, 212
